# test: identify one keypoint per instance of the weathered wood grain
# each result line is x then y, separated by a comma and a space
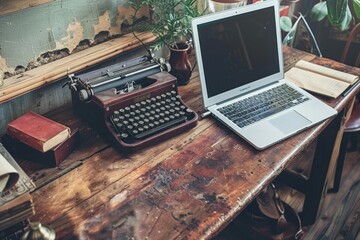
187, 187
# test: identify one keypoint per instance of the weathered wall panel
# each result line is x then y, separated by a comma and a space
26, 34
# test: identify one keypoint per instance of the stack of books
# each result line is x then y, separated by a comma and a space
16, 204
33, 136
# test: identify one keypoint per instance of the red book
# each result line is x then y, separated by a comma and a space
38, 131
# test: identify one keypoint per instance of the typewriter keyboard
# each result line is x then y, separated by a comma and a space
150, 116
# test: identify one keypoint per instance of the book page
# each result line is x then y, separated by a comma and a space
315, 82
332, 73
8, 174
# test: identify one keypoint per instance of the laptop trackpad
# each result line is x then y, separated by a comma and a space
290, 122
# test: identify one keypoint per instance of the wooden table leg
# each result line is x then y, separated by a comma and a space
317, 188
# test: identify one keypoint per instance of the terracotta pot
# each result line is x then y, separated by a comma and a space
180, 64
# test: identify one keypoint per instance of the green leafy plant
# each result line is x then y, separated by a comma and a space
170, 20
337, 12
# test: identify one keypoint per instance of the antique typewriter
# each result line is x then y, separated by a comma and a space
133, 103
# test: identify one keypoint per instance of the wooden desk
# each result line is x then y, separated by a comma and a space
188, 187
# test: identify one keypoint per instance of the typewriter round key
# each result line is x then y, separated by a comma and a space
158, 98
130, 127
137, 118
166, 119
137, 111
121, 111
132, 107
162, 115
173, 92
140, 129
148, 101
127, 109
116, 112
167, 106
177, 115
156, 116
151, 125
141, 122
168, 94
156, 123
161, 121
125, 122
153, 99
127, 115
135, 131
163, 96
146, 120
151, 118
147, 114
152, 112
146, 127
124, 135
135, 125
131, 120
132, 114
116, 120
121, 118
172, 117
138, 105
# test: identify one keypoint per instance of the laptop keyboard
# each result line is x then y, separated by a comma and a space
262, 105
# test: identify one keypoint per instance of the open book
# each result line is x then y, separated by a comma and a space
319, 79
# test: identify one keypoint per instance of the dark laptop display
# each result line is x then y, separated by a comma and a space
238, 50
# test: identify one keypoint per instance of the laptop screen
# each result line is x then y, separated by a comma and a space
237, 47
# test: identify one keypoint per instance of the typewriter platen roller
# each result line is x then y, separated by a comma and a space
133, 103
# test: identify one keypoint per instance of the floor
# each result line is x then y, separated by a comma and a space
340, 217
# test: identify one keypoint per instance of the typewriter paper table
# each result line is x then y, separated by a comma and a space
187, 187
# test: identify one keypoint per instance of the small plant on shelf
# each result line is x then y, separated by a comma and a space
170, 20
338, 12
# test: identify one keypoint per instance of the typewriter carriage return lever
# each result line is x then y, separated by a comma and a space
133, 104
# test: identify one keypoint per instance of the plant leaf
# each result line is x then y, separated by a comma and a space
319, 11
344, 25
336, 11
356, 5
285, 23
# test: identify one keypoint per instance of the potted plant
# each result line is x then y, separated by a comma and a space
170, 21
337, 12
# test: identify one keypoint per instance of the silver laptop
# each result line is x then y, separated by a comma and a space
239, 56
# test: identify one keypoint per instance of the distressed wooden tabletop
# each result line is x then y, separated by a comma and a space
187, 187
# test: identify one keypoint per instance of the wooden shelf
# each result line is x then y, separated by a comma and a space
38, 77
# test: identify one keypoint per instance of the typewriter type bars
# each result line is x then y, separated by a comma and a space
134, 111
